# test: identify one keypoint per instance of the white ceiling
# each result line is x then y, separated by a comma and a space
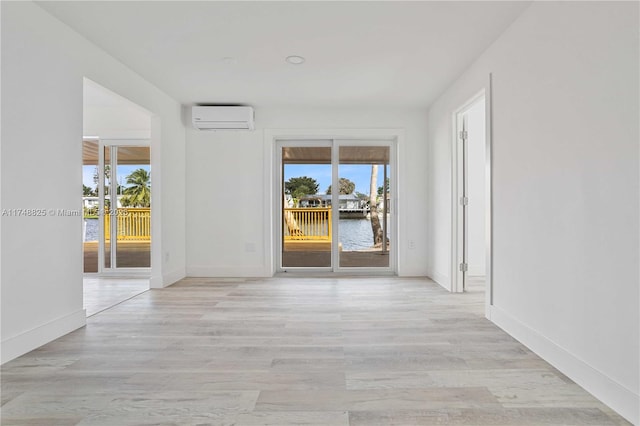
357, 53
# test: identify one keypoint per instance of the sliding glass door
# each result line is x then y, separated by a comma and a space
335, 205
117, 220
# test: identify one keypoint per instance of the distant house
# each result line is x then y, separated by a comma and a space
350, 205
92, 202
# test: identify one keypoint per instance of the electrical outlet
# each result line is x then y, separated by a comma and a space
166, 256
249, 247
412, 244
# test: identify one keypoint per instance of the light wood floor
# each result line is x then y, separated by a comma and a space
103, 293
323, 351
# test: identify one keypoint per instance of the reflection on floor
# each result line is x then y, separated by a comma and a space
103, 293
290, 351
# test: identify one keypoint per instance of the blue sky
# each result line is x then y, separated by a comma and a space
123, 172
360, 174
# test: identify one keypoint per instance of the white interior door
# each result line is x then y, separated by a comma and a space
470, 248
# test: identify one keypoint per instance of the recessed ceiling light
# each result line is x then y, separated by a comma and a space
295, 59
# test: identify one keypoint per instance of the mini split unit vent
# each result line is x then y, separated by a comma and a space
222, 117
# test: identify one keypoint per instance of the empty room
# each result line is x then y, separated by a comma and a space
320, 213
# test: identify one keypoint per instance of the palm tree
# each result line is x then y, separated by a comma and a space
87, 191
138, 193
373, 206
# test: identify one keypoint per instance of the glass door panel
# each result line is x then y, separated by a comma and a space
363, 225
90, 205
132, 214
306, 209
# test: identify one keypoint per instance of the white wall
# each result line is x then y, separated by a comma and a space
476, 189
43, 65
565, 189
110, 116
227, 195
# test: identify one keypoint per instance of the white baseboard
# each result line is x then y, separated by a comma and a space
621, 399
167, 279
227, 272
173, 277
441, 279
27, 341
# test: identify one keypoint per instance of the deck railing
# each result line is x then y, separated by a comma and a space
312, 223
134, 224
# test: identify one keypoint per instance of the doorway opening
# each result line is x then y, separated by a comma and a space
471, 197
335, 205
116, 198
116, 228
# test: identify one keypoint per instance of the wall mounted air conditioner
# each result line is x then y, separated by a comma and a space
222, 117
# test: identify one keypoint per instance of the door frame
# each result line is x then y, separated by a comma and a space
273, 196
113, 144
458, 190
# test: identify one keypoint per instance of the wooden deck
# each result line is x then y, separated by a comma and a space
129, 255
299, 254
348, 259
